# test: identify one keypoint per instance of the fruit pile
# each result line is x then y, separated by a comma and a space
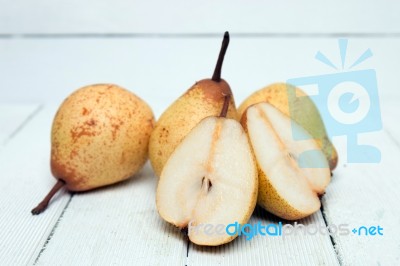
214, 162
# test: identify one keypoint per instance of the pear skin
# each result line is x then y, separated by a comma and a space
205, 98
99, 137
307, 114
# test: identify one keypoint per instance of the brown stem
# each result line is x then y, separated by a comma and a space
225, 107
217, 72
43, 205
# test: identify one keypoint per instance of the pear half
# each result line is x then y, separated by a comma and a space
300, 108
292, 173
209, 180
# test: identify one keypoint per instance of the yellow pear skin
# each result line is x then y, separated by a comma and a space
99, 137
205, 98
307, 114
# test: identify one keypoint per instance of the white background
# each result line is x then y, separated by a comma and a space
158, 49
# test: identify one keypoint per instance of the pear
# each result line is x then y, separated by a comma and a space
99, 137
204, 98
209, 181
292, 173
304, 112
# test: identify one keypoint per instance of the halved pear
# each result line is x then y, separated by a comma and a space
301, 109
209, 180
292, 173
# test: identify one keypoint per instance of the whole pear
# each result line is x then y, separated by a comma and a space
205, 98
99, 137
304, 112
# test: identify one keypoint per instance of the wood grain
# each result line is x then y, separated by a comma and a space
367, 195
296, 249
25, 180
13, 117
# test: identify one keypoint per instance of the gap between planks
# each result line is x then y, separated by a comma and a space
53, 230
130, 35
23, 124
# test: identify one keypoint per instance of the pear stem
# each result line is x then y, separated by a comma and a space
217, 72
225, 107
43, 205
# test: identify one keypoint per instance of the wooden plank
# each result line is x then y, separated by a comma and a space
367, 195
13, 117
297, 249
390, 120
159, 70
25, 180
117, 225
198, 17
251, 63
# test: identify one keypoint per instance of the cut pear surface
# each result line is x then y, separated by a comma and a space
210, 179
292, 173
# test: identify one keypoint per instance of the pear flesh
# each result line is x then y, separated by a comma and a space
301, 109
210, 179
292, 173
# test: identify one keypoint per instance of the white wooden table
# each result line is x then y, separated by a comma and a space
45, 55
